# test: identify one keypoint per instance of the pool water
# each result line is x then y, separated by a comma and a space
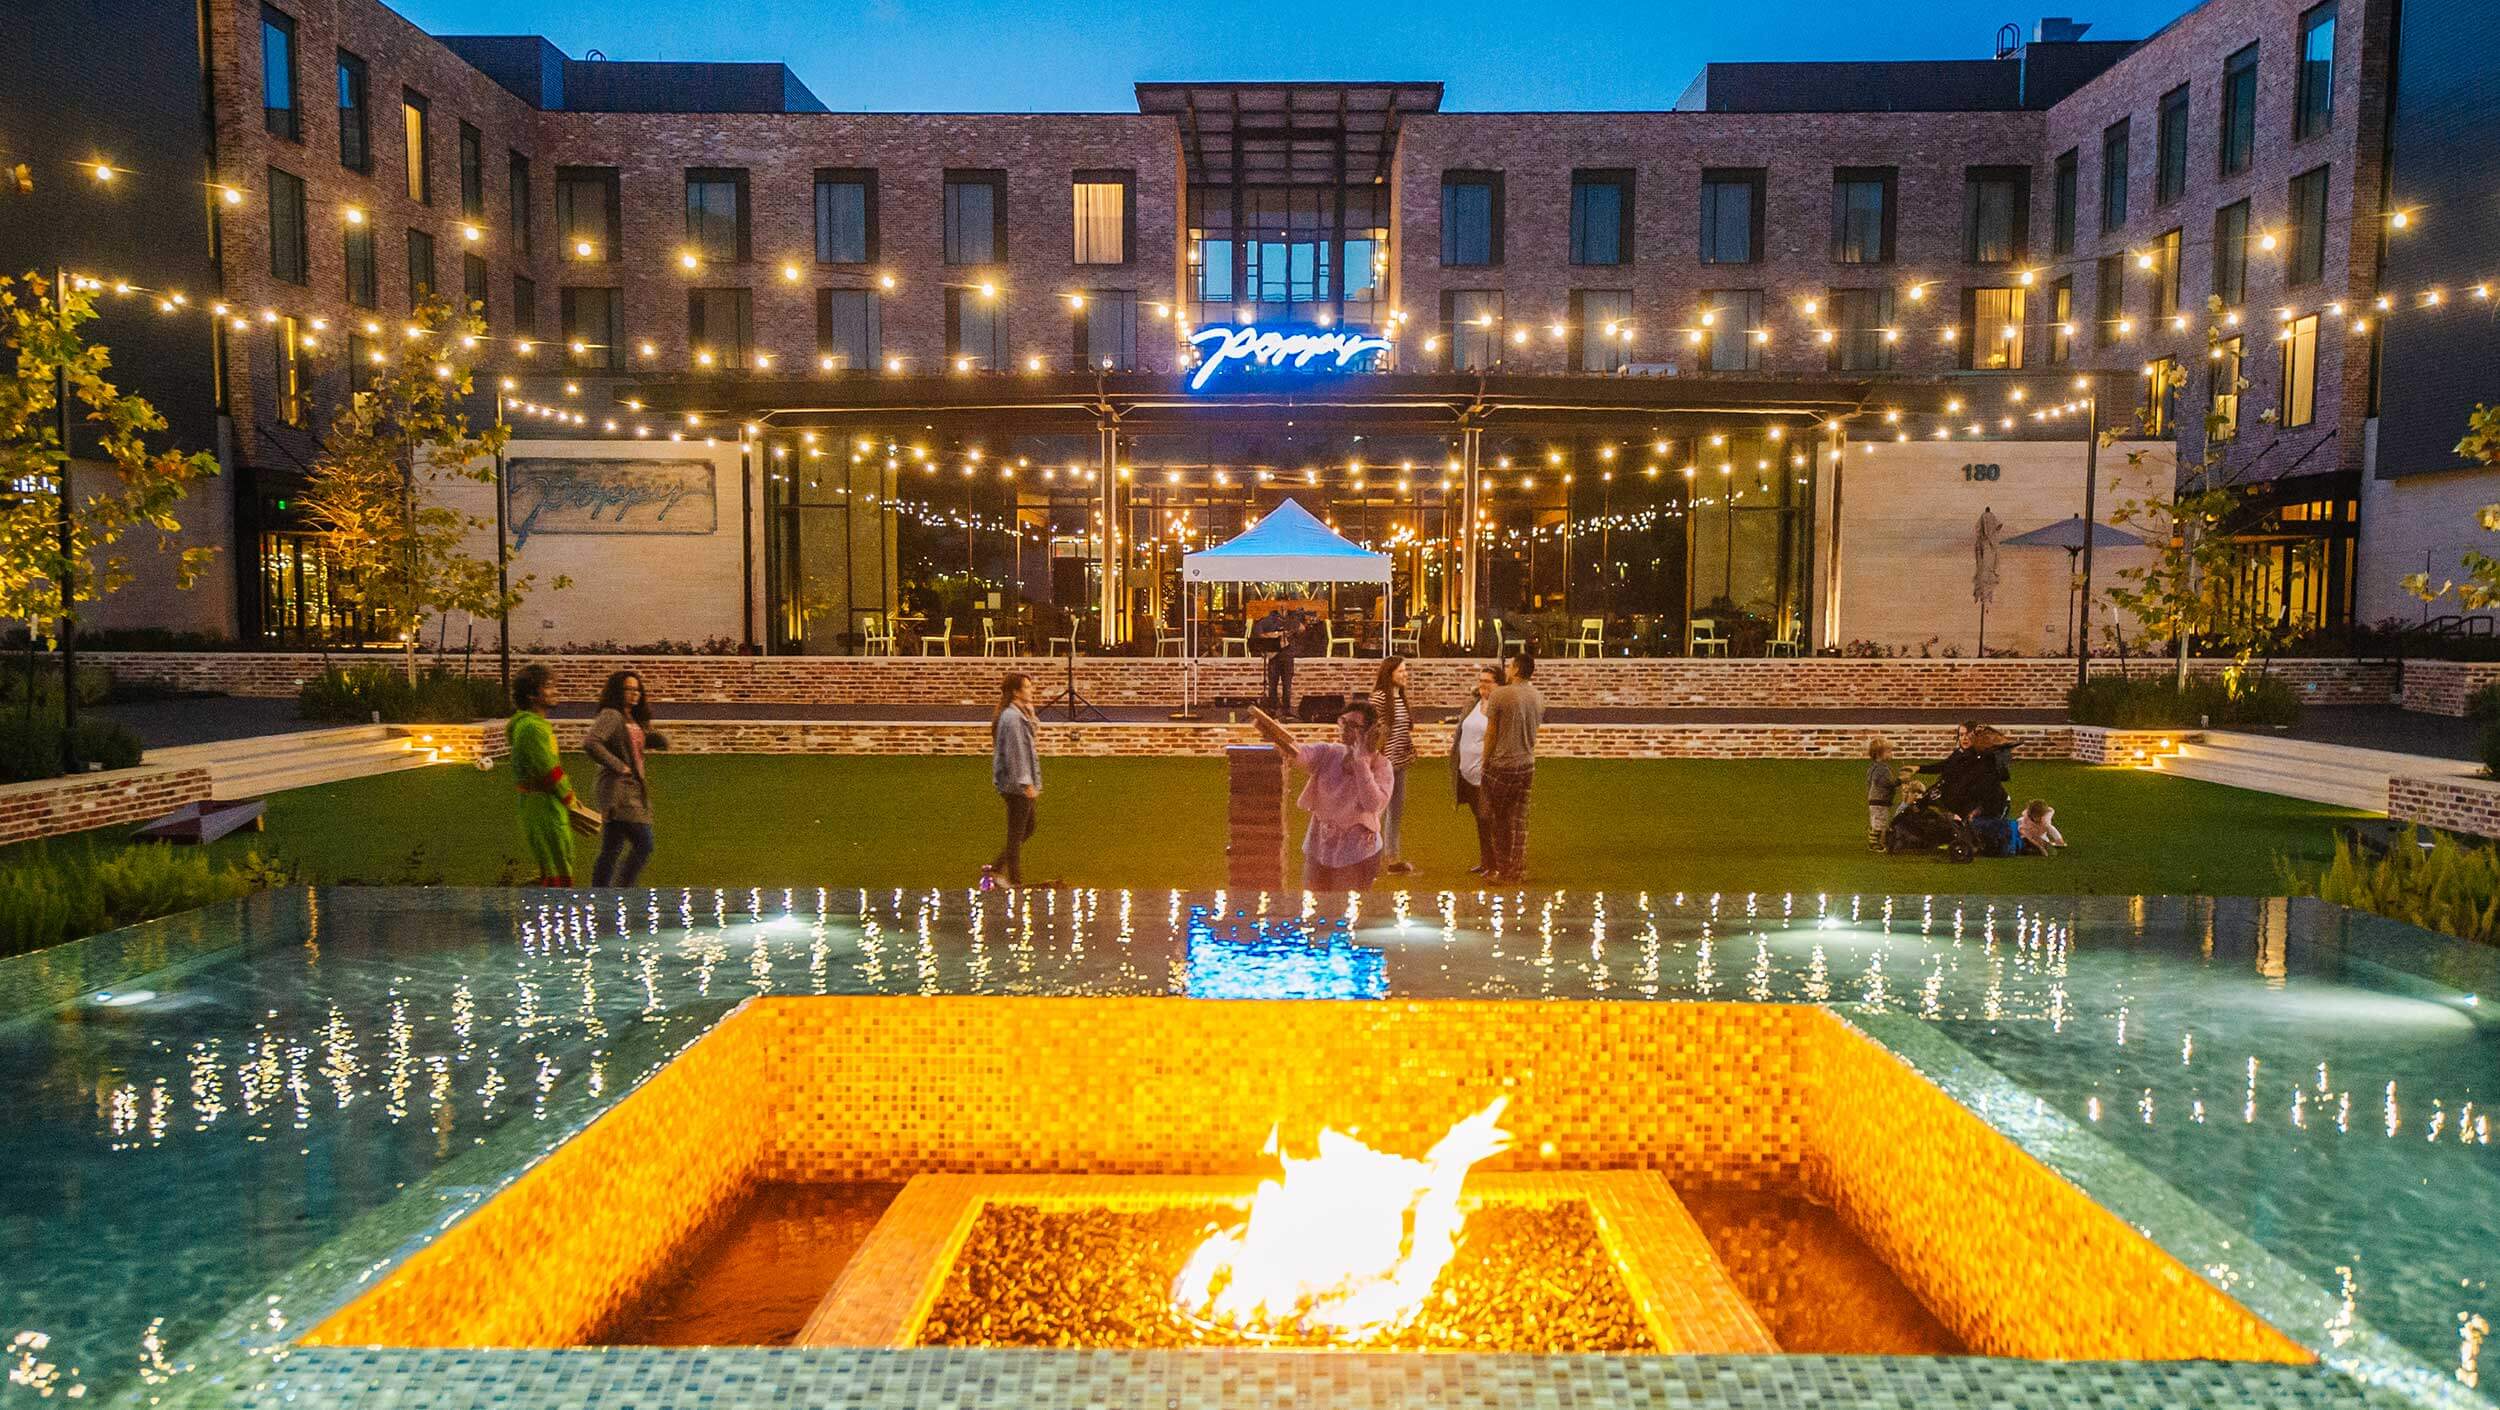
176, 1141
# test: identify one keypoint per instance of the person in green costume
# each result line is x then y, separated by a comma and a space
546, 797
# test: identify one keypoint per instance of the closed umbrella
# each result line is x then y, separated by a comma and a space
1983, 581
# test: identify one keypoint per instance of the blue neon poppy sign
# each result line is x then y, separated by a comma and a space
1226, 349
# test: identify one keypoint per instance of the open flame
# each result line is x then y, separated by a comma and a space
1347, 1243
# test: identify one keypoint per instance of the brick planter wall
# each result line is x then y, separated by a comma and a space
1813, 683
2095, 744
2467, 805
52, 807
2443, 687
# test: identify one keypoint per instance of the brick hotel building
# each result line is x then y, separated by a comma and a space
780, 373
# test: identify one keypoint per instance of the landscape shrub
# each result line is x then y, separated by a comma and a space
2449, 886
439, 697
2155, 702
48, 897
30, 747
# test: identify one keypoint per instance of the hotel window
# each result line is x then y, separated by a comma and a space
1996, 214
517, 199
1731, 216
2223, 416
2160, 397
2109, 295
412, 125
524, 305
1366, 252
2300, 372
1735, 316
1100, 207
1862, 215
290, 383
2062, 205
593, 318
846, 216
360, 363
847, 329
2313, 98
1598, 317
588, 218
1288, 256
1105, 331
1210, 251
2114, 175
976, 217
2239, 110
2165, 254
716, 214
355, 114
286, 226
473, 293
720, 322
2061, 321
363, 283
2170, 147
976, 331
1472, 324
277, 75
2305, 261
2231, 254
1601, 217
472, 173
1859, 320
1471, 218
1992, 330
420, 268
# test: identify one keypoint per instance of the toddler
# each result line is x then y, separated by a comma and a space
1883, 789
2039, 829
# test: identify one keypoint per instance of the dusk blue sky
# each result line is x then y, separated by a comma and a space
1082, 55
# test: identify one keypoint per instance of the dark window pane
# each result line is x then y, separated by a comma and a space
1108, 330
1996, 214
524, 305
363, 283
716, 215
972, 219
2239, 110
2306, 261
1600, 344
2114, 176
844, 205
587, 215
1601, 208
2170, 175
517, 196
355, 115
473, 284
1860, 319
1469, 216
472, 173
1862, 216
277, 74
2231, 254
1731, 212
1472, 325
593, 328
847, 330
420, 267
976, 331
2062, 217
2313, 104
1735, 317
287, 258
720, 327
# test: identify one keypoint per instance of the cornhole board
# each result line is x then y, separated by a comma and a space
205, 822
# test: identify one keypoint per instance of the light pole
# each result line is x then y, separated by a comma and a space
68, 543
503, 560
2091, 524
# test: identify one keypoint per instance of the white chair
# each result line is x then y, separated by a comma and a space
1503, 642
1335, 641
1592, 638
995, 642
1171, 637
1790, 642
1076, 624
1407, 640
1224, 644
942, 644
1702, 638
876, 635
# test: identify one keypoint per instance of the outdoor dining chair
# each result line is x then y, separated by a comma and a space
1592, 638
941, 644
1171, 637
876, 635
1229, 640
1702, 638
1408, 639
995, 642
1335, 641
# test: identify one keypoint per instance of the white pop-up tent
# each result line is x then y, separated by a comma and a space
1288, 546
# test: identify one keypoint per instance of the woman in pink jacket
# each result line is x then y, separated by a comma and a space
1347, 789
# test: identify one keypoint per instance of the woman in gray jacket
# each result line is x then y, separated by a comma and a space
616, 743
1016, 772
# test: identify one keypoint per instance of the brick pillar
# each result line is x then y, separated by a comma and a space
1254, 849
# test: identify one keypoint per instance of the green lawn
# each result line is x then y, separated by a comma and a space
1699, 825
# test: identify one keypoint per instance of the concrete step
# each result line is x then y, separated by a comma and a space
2387, 761
280, 776
266, 745
263, 764
2289, 779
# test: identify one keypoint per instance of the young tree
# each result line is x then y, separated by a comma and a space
375, 497
138, 489
2481, 587
2185, 588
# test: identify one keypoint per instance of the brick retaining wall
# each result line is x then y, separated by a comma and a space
52, 807
2443, 687
1818, 683
2467, 805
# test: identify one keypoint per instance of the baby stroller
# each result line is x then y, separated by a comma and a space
1923, 825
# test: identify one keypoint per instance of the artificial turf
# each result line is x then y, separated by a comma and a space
1703, 825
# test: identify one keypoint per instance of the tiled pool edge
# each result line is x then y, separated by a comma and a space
40, 980
2223, 1256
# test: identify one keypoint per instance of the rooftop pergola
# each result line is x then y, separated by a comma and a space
1288, 134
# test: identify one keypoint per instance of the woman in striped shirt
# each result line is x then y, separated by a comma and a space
1398, 747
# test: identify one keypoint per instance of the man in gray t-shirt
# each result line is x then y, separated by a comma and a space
1512, 717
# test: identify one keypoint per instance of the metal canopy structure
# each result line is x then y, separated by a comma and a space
1288, 134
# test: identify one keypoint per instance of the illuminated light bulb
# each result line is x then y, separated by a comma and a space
1033, 364
1519, 337
1892, 335
703, 359
988, 290
353, 215
963, 364
2361, 325
2025, 277
690, 259
764, 361
2178, 322
2012, 332
1076, 301
582, 248
1708, 317
1952, 334
2266, 241
2126, 325
510, 385
2400, 220
693, 419
1810, 306
2144, 261
1952, 405
1432, 343
1693, 336
885, 281
443, 370
1822, 335
230, 195
893, 364
103, 171
1762, 335
471, 234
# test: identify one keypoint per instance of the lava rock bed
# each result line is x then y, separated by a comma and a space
1526, 1278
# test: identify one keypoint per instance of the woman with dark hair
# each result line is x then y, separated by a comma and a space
1016, 772
1398, 747
617, 741
1347, 787
546, 797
